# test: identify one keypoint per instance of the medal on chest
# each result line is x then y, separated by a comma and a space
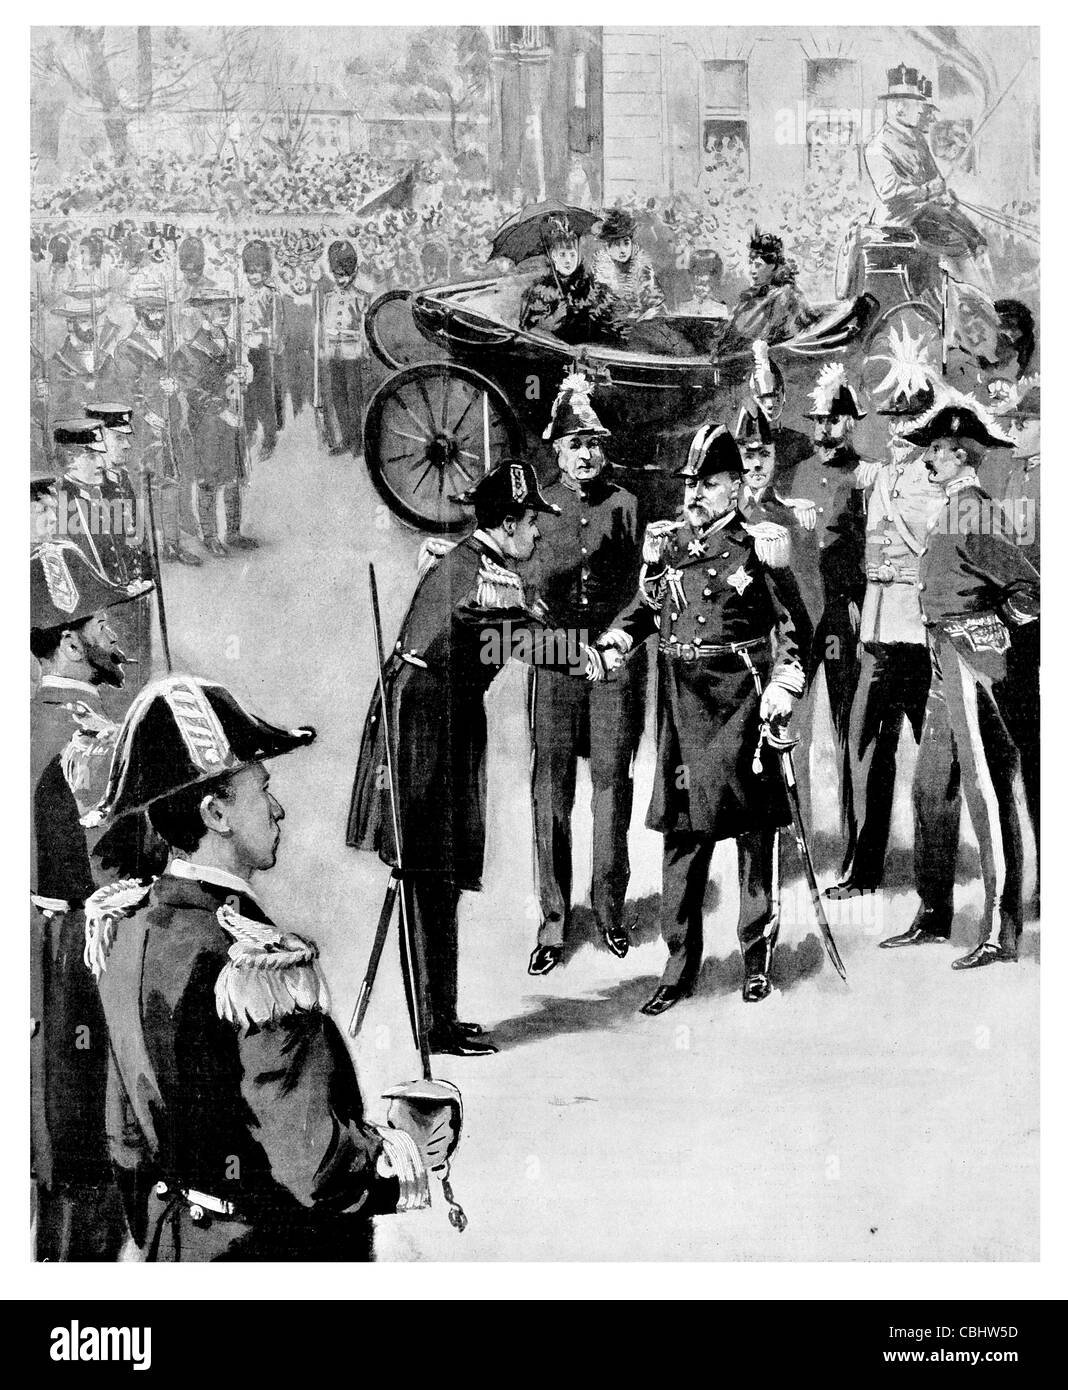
740, 580
673, 583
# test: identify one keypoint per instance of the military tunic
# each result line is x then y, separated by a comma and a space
467, 617
344, 348
722, 622
585, 569
975, 587
257, 1111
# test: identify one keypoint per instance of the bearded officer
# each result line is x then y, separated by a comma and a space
235, 1122
584, 569
72, 738
470, 613
728, 659
895, 668
976, 586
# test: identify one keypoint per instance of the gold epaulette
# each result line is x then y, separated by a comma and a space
772, 543
270, 974
106, 907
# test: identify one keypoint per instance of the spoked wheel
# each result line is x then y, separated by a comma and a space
908, 332
392, 335
424, 441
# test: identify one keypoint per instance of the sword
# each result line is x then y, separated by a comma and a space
154, 546
783, 746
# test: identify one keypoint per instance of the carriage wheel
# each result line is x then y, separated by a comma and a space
911, 330
392, 334
424, 441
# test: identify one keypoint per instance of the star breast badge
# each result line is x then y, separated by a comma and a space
740, 580
696, 548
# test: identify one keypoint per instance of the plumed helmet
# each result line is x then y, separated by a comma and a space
342, 258
181, 731
753, 430
833, 395
712, 451
572, 411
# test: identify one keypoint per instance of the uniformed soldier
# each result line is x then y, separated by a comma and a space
828, 493
212, 381
975, 585
191, 259
469, 614
265, 345
910, 190
72, 738
728, 660
344, 347
235, 1120
767, 390
133, 549
144, 366
91, 517
895, 667
79, 367
584, 569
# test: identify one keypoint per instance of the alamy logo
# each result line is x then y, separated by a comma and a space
78, 1343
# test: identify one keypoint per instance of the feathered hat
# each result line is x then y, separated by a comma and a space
957, 416
833, 395
181, 731
616, 225
712, 450
572, 411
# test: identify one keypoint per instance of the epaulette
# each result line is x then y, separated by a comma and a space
772, 543
270, 974
87, 747
497, 587
103, 910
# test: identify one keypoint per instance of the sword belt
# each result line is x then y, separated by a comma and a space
699, 651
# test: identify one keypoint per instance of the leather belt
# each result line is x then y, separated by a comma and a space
698, 651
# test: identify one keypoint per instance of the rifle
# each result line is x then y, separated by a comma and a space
46, 405
317, 386
240, 362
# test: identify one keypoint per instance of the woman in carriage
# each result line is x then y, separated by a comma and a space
772, 308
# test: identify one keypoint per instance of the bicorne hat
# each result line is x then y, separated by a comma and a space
512, 482
833, 395
712, 450
956, 416
753, 430
181, 731
66, 589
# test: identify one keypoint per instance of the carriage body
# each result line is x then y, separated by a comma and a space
479, 388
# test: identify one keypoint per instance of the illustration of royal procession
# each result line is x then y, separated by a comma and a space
511, 506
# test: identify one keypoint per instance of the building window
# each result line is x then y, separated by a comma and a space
832, 113
725, 114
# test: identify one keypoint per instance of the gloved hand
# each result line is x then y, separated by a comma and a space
168, 385
658, 535
776, 704
595, 664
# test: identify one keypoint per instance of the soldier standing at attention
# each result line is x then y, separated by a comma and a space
895, 667
976, 585
72, 739
728, 660
236, 1123
213, 380
265, 345
584, 569
345, 347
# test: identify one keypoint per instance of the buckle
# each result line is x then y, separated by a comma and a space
687, 651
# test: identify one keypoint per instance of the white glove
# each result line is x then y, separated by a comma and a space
595, 664
168, 385
616, 639
854, 617
658, 535
776, 704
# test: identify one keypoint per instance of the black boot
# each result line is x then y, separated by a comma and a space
931, 924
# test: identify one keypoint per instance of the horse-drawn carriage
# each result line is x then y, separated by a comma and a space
469, 386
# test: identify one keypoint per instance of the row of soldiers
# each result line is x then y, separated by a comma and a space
900, 580
203, 367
